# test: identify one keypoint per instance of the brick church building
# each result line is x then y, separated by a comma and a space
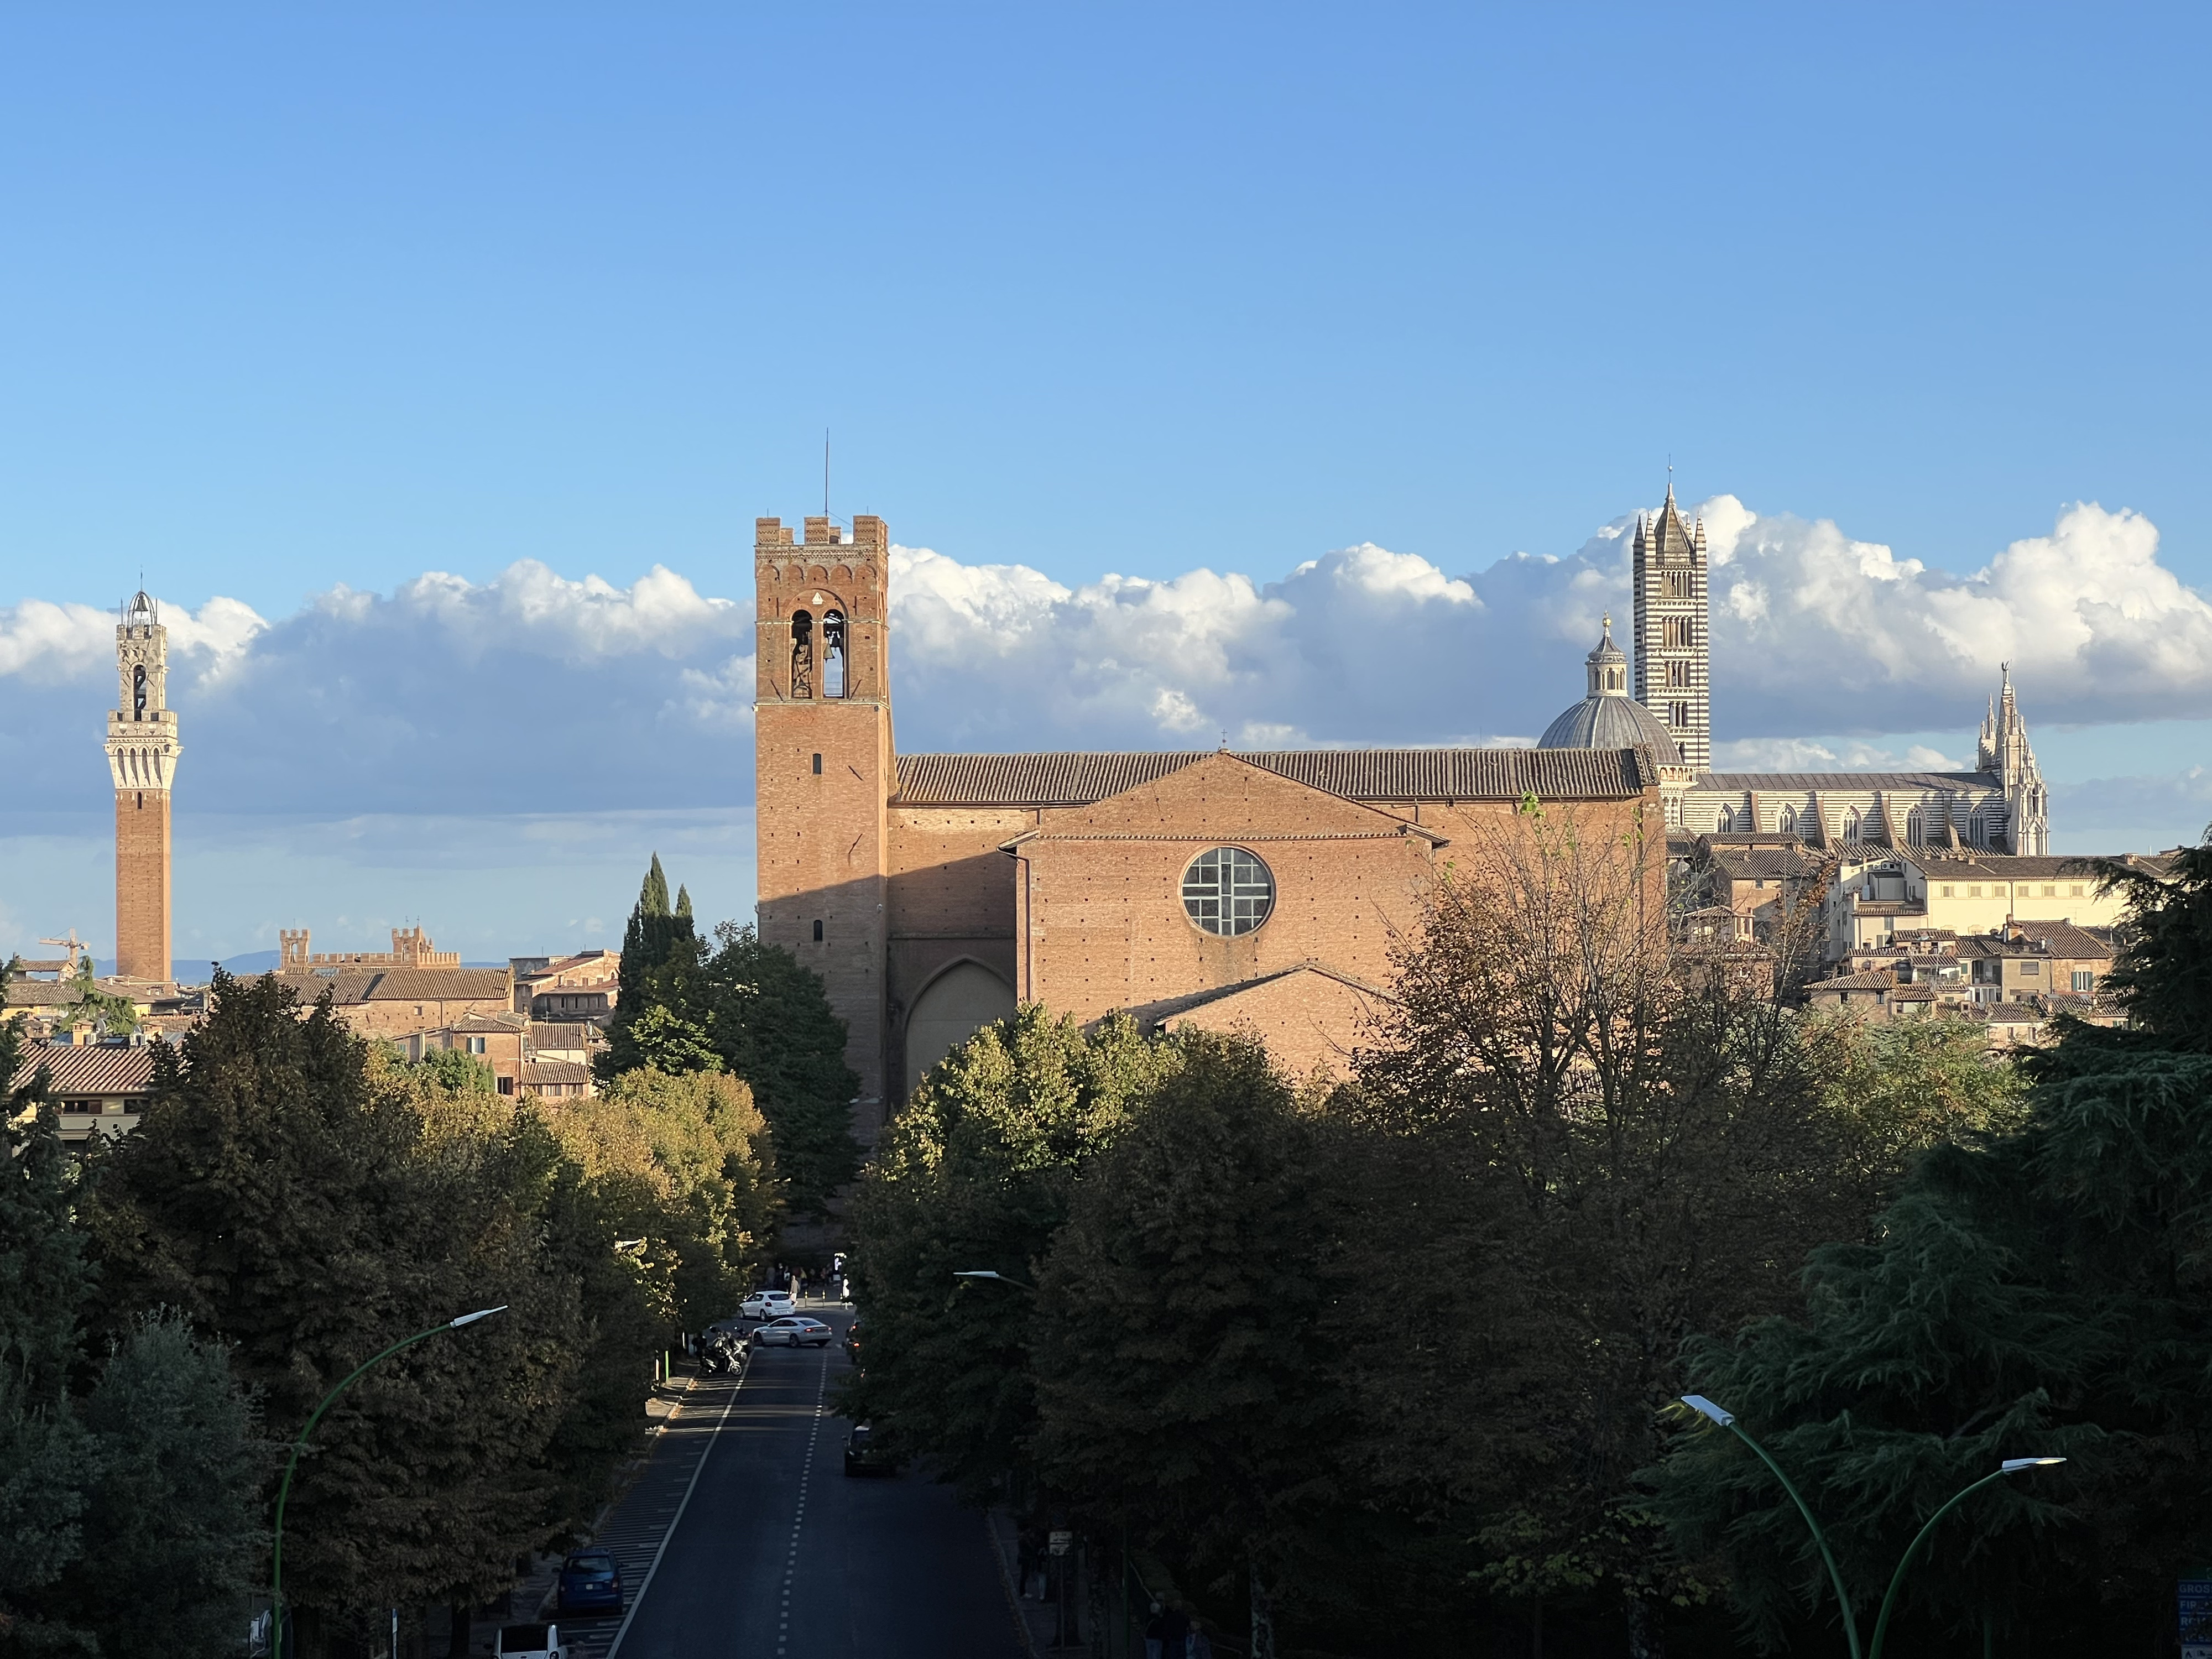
933, 893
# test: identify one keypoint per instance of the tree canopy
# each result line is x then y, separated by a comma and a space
2045, 1290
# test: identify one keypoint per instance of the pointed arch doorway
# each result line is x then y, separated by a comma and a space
951, 1008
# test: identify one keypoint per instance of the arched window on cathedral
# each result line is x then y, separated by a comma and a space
1851, 824
833, 653
1916, 828
1787, 821
802, 653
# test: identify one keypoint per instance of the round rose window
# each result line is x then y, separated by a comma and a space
1226, 890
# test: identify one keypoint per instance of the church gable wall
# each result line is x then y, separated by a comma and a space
1222, 794
1105, 926
1309, 1021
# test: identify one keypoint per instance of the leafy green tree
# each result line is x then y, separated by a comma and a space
1181, 1392
769, 1020
110, 1015
287, 1196
2046, 1292
1609, 1148
174, 1516
1896, 1087
686, 1161
978, 1171
46, 1280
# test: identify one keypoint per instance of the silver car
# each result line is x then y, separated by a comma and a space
794, 1333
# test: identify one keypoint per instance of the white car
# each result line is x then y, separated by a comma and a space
792, 1333
528, 1642
768, 1304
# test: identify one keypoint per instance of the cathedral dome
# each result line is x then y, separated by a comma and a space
1608, 718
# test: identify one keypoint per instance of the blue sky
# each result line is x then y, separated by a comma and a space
295, 304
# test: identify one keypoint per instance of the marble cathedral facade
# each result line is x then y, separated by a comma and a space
2000, 807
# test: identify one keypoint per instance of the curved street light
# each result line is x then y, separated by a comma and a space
1726, 1419
2010, 1465
1705, 1407
285, 1489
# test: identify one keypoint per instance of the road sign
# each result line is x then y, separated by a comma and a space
2195, 1609
1061, 1542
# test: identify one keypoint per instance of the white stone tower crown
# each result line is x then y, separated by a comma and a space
142, 728
1674, 640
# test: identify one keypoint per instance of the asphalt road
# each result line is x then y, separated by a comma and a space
776, 1554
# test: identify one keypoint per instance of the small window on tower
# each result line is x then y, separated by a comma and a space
1678, 673
1678, 714
818, 931
817, 766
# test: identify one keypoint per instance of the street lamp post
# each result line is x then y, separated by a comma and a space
284, 1488
2011, 1466
1725, 1419
1705, 1407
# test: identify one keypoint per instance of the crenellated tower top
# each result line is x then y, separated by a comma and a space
822, 632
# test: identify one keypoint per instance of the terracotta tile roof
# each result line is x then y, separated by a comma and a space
2064, 939
1845, 782
1877, 979
1945, 864
537, 1073
1912, 994
39, 993
89, 1069
1740, 863
1365, 774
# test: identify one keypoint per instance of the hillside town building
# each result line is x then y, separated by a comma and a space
933, 892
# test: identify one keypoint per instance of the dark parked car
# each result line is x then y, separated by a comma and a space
591, 1581
864, 1454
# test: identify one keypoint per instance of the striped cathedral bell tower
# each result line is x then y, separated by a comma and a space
142, 758
1673, 643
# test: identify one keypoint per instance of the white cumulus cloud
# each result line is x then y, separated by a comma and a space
535, 691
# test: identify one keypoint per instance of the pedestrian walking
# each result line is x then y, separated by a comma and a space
1155, 1633
1195, 1646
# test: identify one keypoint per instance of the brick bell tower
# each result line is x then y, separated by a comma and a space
824, 771
141, 757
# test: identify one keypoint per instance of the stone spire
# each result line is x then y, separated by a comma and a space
2003, 749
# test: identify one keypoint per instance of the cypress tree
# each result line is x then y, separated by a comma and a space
660, 949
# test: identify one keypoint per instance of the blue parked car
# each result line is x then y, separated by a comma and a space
591, 1581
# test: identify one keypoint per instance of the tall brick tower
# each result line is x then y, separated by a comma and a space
142, 756
1674, 642
824, 771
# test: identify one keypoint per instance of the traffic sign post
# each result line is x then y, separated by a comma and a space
2194, 1609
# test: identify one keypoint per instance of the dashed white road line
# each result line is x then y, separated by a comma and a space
805, 1474
669, 1532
